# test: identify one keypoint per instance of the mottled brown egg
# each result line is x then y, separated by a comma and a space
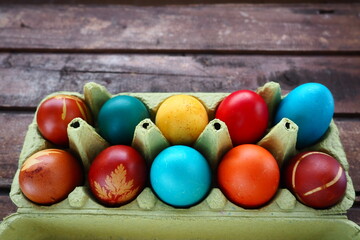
48, 176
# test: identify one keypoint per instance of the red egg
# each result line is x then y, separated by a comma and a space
117, 175
55, 113
317, 179
246, 115
248, 175
49, 175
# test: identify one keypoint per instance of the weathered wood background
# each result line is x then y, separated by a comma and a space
195, 28
166, 48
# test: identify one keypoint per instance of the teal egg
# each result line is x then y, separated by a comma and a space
311, 107
118, 118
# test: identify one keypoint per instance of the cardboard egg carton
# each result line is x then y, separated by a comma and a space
80, 216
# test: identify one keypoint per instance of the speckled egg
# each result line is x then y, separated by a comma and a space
181, 119
311, 107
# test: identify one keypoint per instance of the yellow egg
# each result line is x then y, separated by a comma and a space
181, 118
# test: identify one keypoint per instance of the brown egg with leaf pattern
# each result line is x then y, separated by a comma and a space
48, 176
117, 175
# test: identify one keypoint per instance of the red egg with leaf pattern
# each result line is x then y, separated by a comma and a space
55, 113
117, 175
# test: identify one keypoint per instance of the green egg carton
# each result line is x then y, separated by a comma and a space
80, 216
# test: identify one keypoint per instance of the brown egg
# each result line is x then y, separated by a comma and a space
48, 176
317, 179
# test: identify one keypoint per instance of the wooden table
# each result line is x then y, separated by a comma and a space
156, 48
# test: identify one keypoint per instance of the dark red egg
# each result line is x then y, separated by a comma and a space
316, 178
117, 175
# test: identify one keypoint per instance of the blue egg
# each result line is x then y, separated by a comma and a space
180, 176
311, 107
118, 118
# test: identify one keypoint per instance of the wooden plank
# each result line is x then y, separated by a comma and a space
165, 2
13, 129
6, 206
350, 134
15, 125
353, 214
27, 78
220, 27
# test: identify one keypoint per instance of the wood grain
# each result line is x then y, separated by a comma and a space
12, 134
165, 2
6, 206
27, 78
221, 27
350, 134
353, 214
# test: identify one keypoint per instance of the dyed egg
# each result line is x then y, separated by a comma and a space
118, 118
317, 179
248, 175
246, 115
311, 107
117, 175
48, 176
55, 113
180, 176
181, 119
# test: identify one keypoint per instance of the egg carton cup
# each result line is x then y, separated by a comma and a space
80, 216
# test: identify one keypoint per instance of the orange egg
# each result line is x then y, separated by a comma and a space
248, 175
48, 176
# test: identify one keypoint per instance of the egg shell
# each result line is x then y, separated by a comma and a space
118, 118
246, 115
248, 175
117, 175
180, 176
316, 178
55, 113
311, 107
181, 118
48, 176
